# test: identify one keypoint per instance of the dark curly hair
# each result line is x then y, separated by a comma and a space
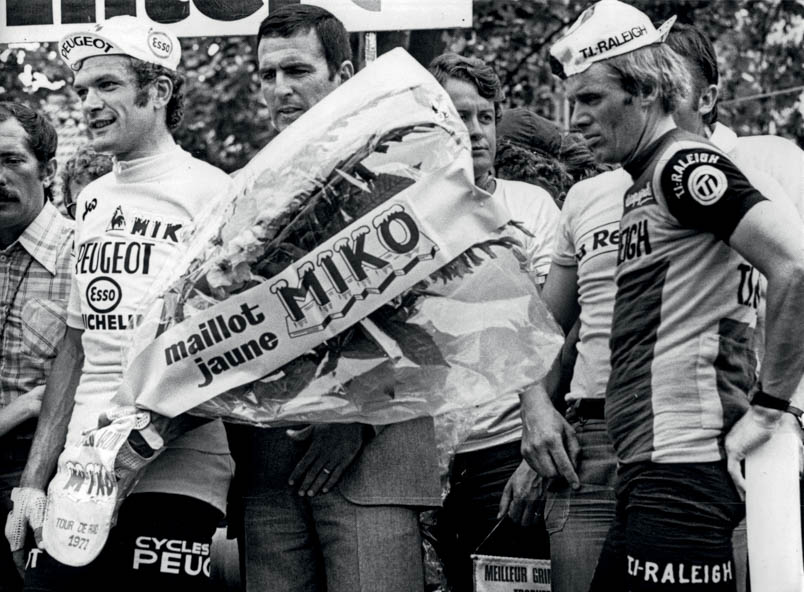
473, 71
145, 73
517, 163
578, 160
84, 165
556, 173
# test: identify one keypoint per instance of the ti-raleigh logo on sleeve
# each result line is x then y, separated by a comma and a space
144, 225
696, 173
707, 184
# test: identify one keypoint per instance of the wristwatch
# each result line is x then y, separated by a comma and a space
763, 399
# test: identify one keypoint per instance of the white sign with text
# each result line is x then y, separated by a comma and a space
49, 20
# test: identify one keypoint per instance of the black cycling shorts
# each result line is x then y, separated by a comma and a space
672, 530
161, 543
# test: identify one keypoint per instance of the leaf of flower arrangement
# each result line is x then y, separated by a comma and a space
416, 343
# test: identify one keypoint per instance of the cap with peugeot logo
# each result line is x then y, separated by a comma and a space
606, 29
122, 35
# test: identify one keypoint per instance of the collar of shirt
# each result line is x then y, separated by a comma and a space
44, 235
723, 137
147, 167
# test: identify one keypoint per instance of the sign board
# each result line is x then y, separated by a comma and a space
49, 20
510, 574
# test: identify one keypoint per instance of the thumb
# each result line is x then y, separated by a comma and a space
40, 541
300, 434
505, 500
735, 470
573, 445
36, 392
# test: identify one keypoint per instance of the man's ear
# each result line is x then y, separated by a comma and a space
707, 100
49, 172
649, 97
346, 70
162, 91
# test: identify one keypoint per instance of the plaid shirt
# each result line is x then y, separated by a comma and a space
34, 290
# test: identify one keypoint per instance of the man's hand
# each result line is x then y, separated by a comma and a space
28, 509
754, 428
521, 496
29, 404
332, 449
22, 408
549, 443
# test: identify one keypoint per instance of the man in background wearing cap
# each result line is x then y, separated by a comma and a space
330, 507
486, 460
35, 286
682, 324
127, 230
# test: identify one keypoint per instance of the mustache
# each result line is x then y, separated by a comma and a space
6, 195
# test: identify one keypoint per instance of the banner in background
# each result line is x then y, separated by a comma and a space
49, 20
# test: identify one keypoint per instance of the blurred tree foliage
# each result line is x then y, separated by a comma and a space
759, 45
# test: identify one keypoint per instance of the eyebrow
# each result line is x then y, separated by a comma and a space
289, 63
97, 79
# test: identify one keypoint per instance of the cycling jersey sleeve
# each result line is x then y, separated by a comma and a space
704, 190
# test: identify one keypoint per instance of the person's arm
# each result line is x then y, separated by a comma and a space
560, 295
21, 409
51, 432
764, 232
774, 244
57, 408
549, 443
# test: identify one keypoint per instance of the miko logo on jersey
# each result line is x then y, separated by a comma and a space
144, 225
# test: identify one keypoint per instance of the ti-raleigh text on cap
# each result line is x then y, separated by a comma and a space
604, 30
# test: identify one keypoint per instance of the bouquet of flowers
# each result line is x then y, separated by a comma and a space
326, 287
353, 274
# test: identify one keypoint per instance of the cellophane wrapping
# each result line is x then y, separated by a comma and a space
471, 329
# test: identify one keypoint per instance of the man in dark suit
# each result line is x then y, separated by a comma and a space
329, 506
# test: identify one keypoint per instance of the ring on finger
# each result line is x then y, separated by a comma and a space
327, 471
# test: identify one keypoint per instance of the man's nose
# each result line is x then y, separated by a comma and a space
473, 126
579, 118
91, 101
282, 85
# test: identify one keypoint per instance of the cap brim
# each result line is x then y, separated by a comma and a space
84, 53
664, 30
